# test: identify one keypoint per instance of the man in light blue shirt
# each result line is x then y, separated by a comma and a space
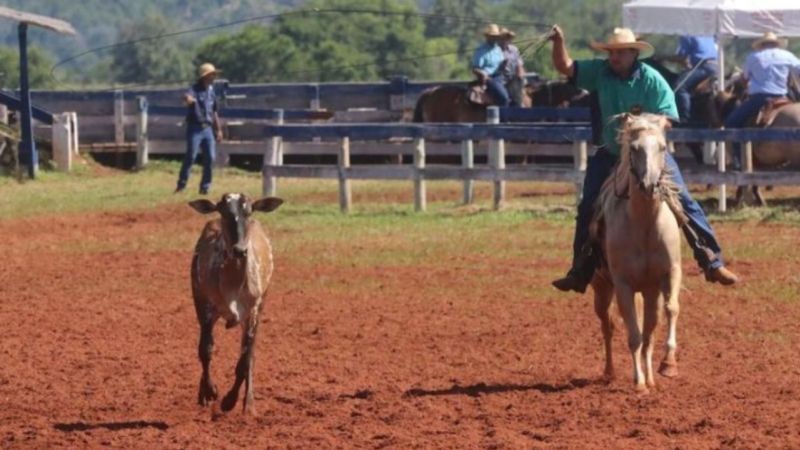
767, 72
486, 63
699, 54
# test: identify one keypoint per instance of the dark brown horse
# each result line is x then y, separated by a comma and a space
451, 103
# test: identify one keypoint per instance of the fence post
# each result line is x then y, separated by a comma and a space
119, 117
61, 138
468, 162
420, 200
73, 123
722, 204
272, 157
345, 195
497, 158
579, 157
142, 144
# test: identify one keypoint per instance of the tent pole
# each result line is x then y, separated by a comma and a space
720, 62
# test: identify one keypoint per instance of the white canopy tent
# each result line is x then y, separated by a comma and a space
719, 18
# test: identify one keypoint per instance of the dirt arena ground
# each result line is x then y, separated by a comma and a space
99, 350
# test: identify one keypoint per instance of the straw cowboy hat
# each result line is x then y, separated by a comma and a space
206, 69
505, 32
769, 38
623, 38
492, 30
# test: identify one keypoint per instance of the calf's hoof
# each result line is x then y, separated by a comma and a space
668, 370
229, 401
206, 394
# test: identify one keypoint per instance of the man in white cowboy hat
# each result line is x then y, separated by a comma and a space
202, 127
767, 71
486, 63
624, 84
513, 68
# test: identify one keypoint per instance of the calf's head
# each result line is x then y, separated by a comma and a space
235, 209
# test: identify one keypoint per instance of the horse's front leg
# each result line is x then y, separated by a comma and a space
627, 307
669, 366
652, 298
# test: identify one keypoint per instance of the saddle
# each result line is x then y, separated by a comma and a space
767, 113
477, 94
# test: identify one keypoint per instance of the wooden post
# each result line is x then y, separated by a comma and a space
748, 157
468, 162
4, 114
497, 158
119, 117
579, 157
272, 157
722, 204
61, 138
73, 123
142, 144
345, 195
420, 200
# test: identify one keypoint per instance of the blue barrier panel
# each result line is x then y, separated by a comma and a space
242, 113
38, 113
735, 135
453, 132
538, 113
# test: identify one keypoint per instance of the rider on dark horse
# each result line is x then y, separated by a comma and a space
699, 55
513, 68
767, 72
487, 62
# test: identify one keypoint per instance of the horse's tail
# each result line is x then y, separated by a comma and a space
419, 108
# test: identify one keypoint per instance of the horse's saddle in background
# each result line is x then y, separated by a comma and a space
477, 94
768, 112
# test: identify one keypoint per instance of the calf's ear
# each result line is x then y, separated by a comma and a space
267, 204
203, 206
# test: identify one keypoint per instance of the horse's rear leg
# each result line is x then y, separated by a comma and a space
205, 315
652, 299
759, 199
244, 369
603, 294
669, 366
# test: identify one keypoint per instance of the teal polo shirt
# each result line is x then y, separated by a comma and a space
644, 90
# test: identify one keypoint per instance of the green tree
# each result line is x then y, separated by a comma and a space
39, 64
148, 59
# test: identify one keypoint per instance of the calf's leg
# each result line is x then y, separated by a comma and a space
207, 391
244, 369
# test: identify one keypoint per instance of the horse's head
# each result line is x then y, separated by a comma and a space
558, 93
644, 148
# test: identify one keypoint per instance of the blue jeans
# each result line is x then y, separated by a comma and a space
687, 82
741, 116
497, 89
698, 233
198, 137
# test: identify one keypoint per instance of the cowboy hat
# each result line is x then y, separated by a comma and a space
623, 38
206, 69
492, 30
505, 32
769, 37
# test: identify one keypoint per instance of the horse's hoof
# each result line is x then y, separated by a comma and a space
642, 389
668, 370
608, 376
229, 401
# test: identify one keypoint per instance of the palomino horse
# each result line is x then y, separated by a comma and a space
231, 270
451, 103
639, 235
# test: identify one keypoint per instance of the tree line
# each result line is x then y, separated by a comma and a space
332, 40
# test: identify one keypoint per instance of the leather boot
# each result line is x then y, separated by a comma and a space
722, 276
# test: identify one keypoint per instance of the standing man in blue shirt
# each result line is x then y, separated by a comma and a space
486, 64
767, 72
699, 54
202, 127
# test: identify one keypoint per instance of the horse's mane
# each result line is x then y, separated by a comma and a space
615, 188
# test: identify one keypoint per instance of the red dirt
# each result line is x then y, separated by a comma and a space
99, 350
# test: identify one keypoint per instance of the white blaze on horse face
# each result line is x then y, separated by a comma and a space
648, 160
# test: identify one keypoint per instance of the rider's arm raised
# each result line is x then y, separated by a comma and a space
561, 60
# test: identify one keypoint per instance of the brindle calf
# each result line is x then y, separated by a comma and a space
231, 269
